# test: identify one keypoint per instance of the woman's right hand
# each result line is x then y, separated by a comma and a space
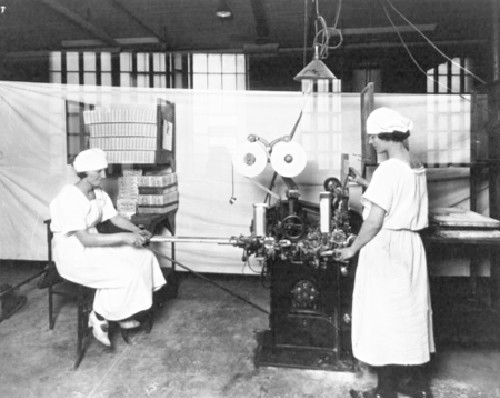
355, 175
135, 239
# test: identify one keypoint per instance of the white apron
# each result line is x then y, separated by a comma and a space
391, 309
124, 276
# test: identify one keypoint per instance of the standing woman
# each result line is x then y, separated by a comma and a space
391, 308
124, 273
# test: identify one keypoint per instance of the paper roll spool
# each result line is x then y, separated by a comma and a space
288, 159
250, 159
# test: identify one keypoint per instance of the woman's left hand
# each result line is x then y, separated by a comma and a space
345, 254
146, 234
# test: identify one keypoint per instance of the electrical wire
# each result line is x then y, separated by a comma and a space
405, 46
434, 45
199, 275
304, 49
324, 33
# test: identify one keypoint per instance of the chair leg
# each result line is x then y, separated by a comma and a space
51, 310
125, 335
83, 312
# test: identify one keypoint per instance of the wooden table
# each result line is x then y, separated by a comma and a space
471, 246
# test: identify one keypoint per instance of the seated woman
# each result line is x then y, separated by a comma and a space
124, 273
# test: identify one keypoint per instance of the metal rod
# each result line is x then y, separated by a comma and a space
191, 239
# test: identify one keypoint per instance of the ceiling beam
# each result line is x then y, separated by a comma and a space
131, 15
77, 19
389, 29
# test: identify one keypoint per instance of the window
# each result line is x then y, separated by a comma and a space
77, 136
450, 77
142, 69
219, 71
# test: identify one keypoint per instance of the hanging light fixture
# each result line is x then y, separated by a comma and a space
223, 10
315, 70
316, 75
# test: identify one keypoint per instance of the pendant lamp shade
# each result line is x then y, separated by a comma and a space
315, 70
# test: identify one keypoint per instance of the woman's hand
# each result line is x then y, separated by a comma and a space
146, 234
345, 254
135, 239
355, 175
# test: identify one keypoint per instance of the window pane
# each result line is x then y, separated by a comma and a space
467, 84
73, 78
159, 64
467, 63
443, 68
240, 63
73, 145
55, 77
55, 60
90, 78
455, 84
178, 61
200, 63
73, 123
228, 63
443, 84
214, 82
142, 62
455, 66
126, 62
73, 107
229, 82
106, 79
125, 79
214, 63
159, 81
72, 61
89, 61
178, 80
142, 80
106, 62
199, 81
241, 84
430, 84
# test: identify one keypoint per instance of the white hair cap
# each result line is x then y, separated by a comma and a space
385, 120
90, 159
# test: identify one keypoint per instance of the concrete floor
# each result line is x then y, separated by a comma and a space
202, 345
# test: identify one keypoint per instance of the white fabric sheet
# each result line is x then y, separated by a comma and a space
33, 165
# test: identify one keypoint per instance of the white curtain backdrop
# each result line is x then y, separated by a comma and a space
210, 125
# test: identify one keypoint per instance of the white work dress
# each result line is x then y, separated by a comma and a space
391, 308
124, 276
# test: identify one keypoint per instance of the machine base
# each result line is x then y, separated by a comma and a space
268, 355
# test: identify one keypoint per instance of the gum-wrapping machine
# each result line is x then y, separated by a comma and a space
296, 244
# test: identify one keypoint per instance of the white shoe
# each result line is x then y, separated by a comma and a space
99, 329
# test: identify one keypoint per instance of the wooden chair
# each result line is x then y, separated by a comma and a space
83, 295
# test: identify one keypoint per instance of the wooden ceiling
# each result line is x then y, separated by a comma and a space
256, 25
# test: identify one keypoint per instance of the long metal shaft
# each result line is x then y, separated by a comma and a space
192, 239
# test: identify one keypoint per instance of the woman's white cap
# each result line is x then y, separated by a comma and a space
385, 120
90, 159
